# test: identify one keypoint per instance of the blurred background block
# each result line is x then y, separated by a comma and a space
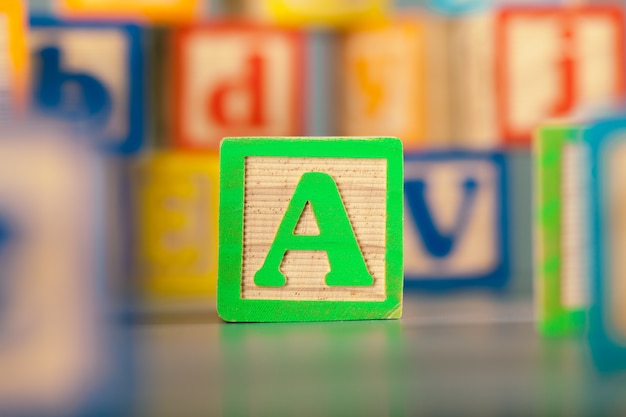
552, 61
233, 79
562, 287
382, 87
13, 60
156, 11
319, 13
456, 222
92, 76
176, 220
58, 347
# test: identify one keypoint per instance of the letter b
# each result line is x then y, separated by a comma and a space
72, 96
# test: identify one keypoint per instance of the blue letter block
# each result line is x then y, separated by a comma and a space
91, 74
456, 226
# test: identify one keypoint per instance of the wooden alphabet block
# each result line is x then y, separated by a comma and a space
551, 61
236, 80
562, 290
177, 217
310, 229
456, 228
160, 11
607, 318
92, 76
52, 303
319, 12
13, 59
383, 84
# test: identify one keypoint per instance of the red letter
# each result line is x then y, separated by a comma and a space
252, 85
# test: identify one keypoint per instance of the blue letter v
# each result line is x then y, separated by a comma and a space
438, 244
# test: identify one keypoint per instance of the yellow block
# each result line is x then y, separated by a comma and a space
383, 85
161, 11
322, 12
178, 205
14, 67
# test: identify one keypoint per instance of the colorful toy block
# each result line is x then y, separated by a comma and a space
456, 228
551, 61
310, 229
319, 12
561, 285
13, 59
607, 318
160, 11
177, 218
92, 76
54, 339
236, 80
383, 88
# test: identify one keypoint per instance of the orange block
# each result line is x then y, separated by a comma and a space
163, 11
13, 53
383, 83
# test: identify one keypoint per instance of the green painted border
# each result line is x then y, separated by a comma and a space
553, 318
230, 305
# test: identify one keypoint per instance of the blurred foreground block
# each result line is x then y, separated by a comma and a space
236, 80
57, 351
91, 75
13, 59
160, 11
177, 220
562, 290
552, 61
607, 217
318, 12
383, 82
456, 224
310, 229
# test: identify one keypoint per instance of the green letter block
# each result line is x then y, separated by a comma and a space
562, 288
310, 229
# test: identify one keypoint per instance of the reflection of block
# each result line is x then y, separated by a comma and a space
551, 61
236, 79
456, 223
562, 293
178, 195
151, 10
319, 12
383, 82
91, 75
13, 58
310, 229
607, 197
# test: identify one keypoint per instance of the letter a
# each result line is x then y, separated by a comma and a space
336, 236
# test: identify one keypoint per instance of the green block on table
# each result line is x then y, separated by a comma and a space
310, 229
562, 291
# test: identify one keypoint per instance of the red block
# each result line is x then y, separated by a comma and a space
553, 61
234, 79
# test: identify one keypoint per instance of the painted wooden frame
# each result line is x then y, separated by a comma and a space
234, 152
